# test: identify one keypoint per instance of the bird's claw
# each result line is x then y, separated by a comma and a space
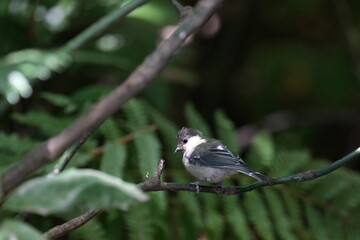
197, 185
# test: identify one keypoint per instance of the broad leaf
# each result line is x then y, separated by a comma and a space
74, 189
13, 229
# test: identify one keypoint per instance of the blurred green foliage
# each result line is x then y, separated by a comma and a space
268, 57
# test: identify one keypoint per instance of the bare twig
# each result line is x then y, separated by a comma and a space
137, 81
71, 225
151, 185
183, 11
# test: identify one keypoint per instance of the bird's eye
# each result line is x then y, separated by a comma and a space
185, 140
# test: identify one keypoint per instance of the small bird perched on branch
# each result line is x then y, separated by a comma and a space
209, 159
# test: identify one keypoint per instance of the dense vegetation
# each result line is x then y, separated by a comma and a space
276, 82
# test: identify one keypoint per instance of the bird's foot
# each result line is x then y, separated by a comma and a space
197, 185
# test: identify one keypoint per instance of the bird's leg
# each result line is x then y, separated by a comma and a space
197, 185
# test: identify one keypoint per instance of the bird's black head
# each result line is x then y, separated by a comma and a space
183, 136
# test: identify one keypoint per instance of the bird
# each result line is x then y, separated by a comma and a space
210, 160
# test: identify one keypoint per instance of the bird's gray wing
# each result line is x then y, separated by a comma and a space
219, 157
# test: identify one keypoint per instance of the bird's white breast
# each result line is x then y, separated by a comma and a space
209, 174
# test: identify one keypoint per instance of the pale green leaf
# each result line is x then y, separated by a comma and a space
16, 230
74, 189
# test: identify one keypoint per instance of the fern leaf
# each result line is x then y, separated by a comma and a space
60, 100
295, 215
48, 124
92, 230
213, 220
316, 222
258, 215
262, 151
147, 145
226, 131
236, 218
113, 159
289, 162
139, 222
167, 129
334, 226
110, 129
277, 210
195, 120
190, 204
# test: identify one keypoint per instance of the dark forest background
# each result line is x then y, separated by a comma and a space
277, 81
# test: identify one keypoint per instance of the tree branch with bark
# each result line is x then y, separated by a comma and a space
141, 77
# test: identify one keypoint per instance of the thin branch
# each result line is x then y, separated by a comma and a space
142, 76
61, 230
183, 11
102, 25
152, 185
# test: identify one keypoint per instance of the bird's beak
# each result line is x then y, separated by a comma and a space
178, 149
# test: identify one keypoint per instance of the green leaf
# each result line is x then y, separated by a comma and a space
213, 220
113, 159
258, 215
225, 130
48, 124
71, 190
148, 152
316, 222
236, 218
262, 151
195, 120
280, 218
17, 230
140, 223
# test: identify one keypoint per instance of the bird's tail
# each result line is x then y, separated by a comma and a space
260, 177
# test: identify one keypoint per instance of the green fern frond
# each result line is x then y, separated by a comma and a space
195, 120
13, 147
316, 222
236, 218
289, 162
60, 100
167, 130
113, 159
147, 145
139, 222
110, 129
49, 125
136, 113
92, 230
212, 217
258, 215
334, 226
225, 131
278, 215
190, 203
294, 210
262, 151
148, 151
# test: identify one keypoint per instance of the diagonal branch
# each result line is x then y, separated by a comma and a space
61, 230
142, 76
